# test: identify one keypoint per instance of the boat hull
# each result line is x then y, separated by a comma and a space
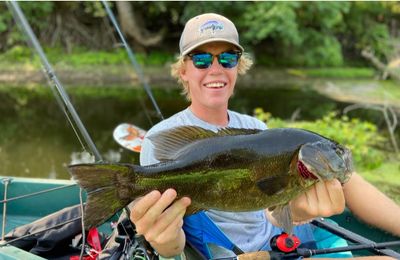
65, 193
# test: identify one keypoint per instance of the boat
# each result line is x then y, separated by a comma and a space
28, 199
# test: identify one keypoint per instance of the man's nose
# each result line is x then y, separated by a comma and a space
215, 66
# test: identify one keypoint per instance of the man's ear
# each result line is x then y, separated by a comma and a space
183, 75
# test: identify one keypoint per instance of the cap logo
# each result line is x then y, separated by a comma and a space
211, 27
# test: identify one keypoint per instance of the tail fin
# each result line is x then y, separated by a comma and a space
108, 187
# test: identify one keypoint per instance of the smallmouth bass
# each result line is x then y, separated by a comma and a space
231, 170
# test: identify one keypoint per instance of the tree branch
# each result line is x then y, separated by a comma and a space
389, 115
386, 69
130, 24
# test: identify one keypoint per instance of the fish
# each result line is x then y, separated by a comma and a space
232, 169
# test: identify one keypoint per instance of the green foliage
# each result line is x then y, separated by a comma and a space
35, 13
232, 10
318, 33
296, 34
5, 17
361, 137
95, 8
301, 35
322, 50
386, 177
17, 53
83, 57
343, 73
271, 19
367, 25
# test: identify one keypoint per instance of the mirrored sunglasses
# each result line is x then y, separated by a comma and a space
203, 60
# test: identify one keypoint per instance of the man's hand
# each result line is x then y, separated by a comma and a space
159, 218
323, 199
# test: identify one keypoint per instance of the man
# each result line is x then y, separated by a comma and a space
210, 60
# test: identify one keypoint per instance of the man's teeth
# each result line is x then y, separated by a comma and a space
215, 85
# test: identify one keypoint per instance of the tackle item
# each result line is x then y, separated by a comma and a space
285, 243
129, 136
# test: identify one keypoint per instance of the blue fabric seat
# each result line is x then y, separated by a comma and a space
201, 231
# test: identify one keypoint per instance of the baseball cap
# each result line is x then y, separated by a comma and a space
207, 28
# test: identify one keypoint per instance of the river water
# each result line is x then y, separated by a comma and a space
36, 140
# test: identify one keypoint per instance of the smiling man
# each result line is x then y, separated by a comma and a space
210, 60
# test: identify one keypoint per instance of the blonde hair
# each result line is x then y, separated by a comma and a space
244, 65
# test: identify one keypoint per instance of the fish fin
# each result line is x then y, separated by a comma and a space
283, 216
272, 185
102, 204
108, 187
168, 143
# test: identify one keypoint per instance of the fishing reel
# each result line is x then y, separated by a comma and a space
284, 243
132, 245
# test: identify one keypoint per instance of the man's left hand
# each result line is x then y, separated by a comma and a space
323, 199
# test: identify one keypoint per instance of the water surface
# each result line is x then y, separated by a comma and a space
36, 140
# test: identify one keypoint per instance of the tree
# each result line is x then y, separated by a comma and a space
133, 25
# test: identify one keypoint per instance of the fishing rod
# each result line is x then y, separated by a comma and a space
354, 238
56, 86
304, 252
58, 91
307, 252
133, 60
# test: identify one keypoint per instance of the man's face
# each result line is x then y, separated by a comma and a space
212, 87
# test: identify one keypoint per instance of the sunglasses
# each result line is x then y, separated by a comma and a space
227, 59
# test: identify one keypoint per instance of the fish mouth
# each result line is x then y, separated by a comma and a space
304, 171
325, 160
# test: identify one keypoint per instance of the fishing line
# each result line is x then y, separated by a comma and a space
62, 97
133, 60
141, 78
82, 224
57, 88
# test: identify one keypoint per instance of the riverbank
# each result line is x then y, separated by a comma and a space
106, 74
350, 85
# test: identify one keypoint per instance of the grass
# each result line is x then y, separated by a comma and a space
81, 58
333, 73
386, 178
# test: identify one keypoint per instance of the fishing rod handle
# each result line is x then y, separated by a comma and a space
260, 255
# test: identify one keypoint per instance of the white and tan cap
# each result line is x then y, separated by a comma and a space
207, 28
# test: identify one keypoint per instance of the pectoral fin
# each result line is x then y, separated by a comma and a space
272, 185
283, 216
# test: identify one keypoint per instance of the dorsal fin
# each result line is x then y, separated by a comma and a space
168, 143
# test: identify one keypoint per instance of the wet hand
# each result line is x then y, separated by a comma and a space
323, 199
159, 218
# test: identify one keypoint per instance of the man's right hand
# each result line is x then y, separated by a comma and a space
159, 218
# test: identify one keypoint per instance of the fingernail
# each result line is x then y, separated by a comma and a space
187, 200
154, 193
170, 193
